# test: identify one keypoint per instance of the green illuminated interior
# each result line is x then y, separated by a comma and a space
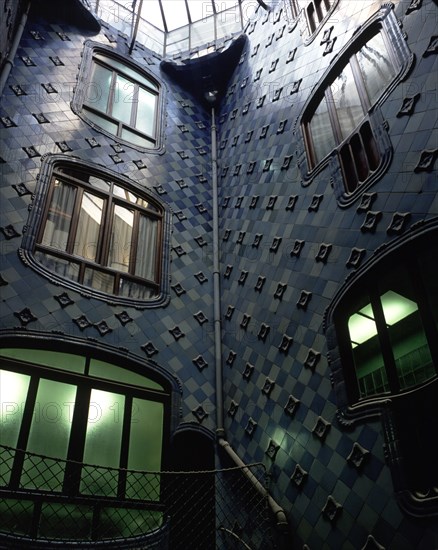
408, 340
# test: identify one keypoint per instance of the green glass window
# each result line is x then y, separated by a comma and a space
391, 349
87, 410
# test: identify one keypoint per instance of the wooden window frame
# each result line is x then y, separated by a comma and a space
371, 130
75, 173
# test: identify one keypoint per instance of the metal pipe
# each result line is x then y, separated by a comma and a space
9, 61
216, 283
279, 513
277, 510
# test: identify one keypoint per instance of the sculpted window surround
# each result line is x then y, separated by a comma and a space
382, 337
342, 125
98, 233
49, 444
119, 98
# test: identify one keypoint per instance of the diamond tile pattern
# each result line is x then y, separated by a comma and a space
274, 235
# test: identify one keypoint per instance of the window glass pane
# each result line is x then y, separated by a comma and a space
123, 100
122, 193
409, 344
13, 393
97, 90
64, 361
322, 132
121, 238
49, 435
16, 515
108, 371
130, 289
146, 112
347, 102
103, 442
175, 13
90, 219
136, 139
66, 521
126, 70
102, 122
368, 360
146, 435
99, 183
145, 444
58, 221
131, 197
376, 67
112, 523
67, 269
145, 265
99, 280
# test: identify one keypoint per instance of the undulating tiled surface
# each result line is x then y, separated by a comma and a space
285, 250
286, 247
42, 82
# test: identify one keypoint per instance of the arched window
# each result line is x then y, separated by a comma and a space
94, 229
341, 117
79, 433
382, 332
118, 97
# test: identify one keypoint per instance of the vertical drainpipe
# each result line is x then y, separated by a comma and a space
216, 284
9, 61
277, 510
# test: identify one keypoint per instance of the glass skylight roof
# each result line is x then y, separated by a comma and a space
170, 27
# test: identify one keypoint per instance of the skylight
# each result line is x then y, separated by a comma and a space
170, 27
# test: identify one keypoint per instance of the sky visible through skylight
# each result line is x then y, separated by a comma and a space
168, 15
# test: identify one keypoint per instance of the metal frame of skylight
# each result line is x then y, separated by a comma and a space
128, 18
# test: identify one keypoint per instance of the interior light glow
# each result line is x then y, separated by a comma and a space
396, 307
362, 326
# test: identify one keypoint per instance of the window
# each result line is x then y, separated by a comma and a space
118, 98
316, 10
77, 433
314, 14
389, 346
98, 231
341, 118
383, 329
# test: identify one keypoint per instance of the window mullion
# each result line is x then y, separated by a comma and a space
124, 448
385, 343
24, 433
106, 231
134, 242
134, 106
75, 453
358, 80
333, 115
112, 96
75, 220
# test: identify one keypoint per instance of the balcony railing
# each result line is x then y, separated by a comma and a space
46, 502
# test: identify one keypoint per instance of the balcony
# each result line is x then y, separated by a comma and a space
48, 503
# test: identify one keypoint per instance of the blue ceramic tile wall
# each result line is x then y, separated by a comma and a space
264, 211
177, 180
264, 282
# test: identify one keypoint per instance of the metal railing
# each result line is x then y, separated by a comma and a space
46, 502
